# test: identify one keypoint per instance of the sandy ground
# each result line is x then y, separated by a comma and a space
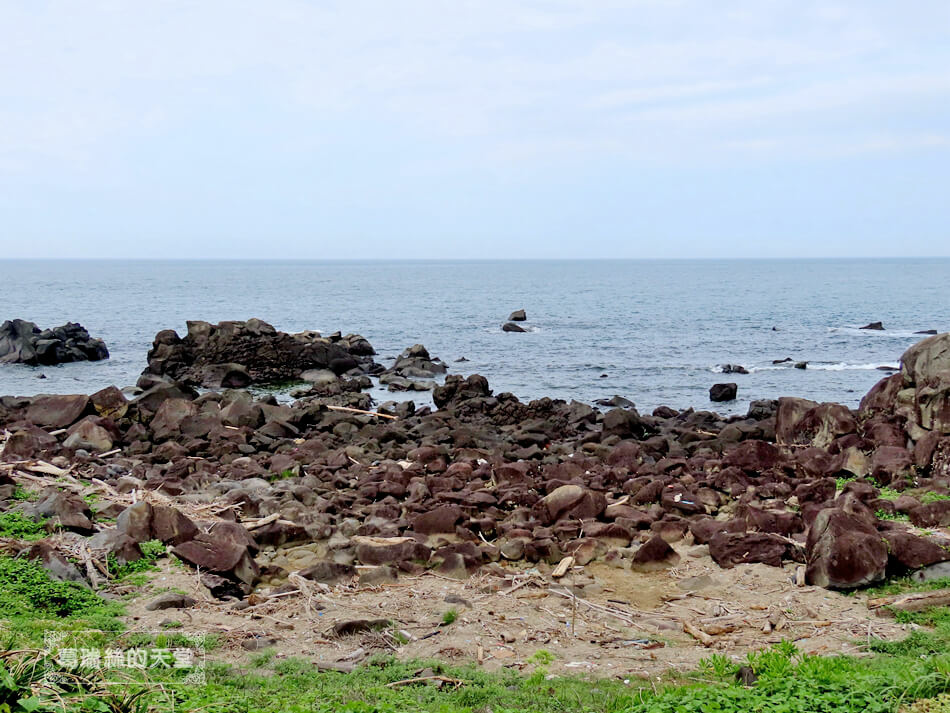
622, 623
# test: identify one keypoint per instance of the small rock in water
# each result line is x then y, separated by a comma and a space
733, 369
460, 359
781, 361
801, 365
615, 401
511, 327
517, 316
723, 392
927, 331
877, 326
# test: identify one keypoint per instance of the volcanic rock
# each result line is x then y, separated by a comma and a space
731, 548
517, 316
217, 355
654, 554
723, 392
22, 342
844, 551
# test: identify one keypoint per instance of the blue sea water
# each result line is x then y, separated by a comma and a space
652, 331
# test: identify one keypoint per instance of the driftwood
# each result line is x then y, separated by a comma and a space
563, 567
348, 409
917, 601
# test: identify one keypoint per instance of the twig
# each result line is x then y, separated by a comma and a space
421, 679
349, 409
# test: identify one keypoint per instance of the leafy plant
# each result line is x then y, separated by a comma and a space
28, 591
19, 526
151, 551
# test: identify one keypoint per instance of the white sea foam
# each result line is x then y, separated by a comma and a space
826, 366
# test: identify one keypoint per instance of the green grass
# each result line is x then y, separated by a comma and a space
931, 497
893, 516
888, 494
134, 572
19, 526
449, 617
27, 590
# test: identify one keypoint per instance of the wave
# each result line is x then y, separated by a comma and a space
830, 366
886, 333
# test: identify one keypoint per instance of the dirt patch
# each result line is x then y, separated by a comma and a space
621, 623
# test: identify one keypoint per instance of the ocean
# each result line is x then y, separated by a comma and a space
655, 332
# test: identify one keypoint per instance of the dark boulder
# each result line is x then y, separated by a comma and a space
240, 353
512, 327
733, 369
570, 501
219, 555
723, 392
876, 326
907, 551
57, 410
844, 551
731, 548
654, 554
22, 342
517, 316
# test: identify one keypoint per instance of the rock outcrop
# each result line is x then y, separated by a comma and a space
237, 354
22, 342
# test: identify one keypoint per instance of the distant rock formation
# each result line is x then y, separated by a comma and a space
22, 342
236, 354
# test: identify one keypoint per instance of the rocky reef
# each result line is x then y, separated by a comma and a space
22, 342
237, 354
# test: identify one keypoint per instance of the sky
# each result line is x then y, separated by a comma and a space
474, 129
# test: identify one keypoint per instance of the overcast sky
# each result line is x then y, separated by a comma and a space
474, 128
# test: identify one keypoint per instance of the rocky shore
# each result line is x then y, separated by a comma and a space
259, 496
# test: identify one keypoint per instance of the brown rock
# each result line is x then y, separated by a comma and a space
220, 556
932, 514
908, 551
90, 436
729, 549
654, 554
58, 410
571, 501
844, 552
439, 520
329, 572
389, 550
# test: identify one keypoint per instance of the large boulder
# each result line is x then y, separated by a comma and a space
389, 550
804, 422
235, 354
844, 551
22, 342
415, 363
723, 392
220, 555
925, 359
731, 548
57, 410
570, 501
89, 435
